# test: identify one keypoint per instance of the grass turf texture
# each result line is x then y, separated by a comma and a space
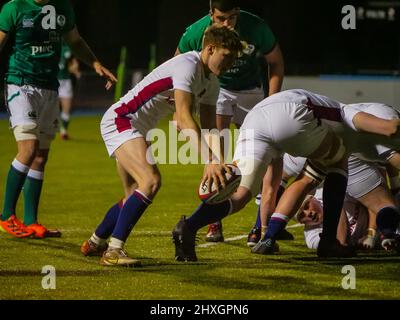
81, 184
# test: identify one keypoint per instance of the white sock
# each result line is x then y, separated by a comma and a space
35, 174
97, 240
64, 116
116, 243
20, 166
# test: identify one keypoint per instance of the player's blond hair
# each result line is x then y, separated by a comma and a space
223, 37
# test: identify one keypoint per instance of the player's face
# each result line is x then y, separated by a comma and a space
312, 213
227, 19
220, 60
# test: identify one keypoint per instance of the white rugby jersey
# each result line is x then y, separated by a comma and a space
184, 72
324, 108
339, 117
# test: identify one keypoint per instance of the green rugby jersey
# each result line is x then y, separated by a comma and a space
66, 54
245, 73
38, 30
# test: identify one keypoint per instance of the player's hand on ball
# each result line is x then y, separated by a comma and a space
214, 174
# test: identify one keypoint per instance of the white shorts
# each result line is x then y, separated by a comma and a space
363, 176
271, 130
116, 131
29, 105
238, 103
65, 90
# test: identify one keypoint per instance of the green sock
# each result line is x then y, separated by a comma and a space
32, 191
15, 181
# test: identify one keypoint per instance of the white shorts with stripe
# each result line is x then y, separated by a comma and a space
116, 132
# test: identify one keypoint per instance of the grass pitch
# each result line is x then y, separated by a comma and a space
81, 184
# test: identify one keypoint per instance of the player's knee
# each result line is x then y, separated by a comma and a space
39, 162
240, 198
27, 151
153, 184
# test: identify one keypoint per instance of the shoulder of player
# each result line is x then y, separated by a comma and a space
251, 20
11, 5
199, 26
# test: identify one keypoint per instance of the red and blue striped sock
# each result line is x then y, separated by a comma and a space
276, 224
130, 214
107, 226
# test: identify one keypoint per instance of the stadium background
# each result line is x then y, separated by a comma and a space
309, 32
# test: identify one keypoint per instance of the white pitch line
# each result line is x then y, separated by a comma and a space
210, 244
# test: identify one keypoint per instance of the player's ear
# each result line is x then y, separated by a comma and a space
210, 49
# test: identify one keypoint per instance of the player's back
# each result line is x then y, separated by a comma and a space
300, 97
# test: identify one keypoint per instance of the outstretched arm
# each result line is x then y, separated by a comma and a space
369, 123
82, 51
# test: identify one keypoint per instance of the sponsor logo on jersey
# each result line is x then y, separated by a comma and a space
61, 20
27, 23
32, 114
41, 49
248, 49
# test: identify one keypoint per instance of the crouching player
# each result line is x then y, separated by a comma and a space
367, 196
293, 122
186, 79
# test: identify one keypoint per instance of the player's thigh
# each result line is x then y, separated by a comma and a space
134, 157
23, 113
48, 110
377, 199
128, 182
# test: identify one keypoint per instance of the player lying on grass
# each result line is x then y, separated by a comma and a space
366, 191
175, 86
37, 28
304, 124
357, 225
292, 168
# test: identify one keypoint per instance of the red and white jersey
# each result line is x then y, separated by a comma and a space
152, 99
324, 108
184, 72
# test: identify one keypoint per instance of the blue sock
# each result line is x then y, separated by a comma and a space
276, 224
387, 220
208, 213
258, 220
107, 226
130, 214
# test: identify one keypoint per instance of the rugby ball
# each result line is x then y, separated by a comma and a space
217, 196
